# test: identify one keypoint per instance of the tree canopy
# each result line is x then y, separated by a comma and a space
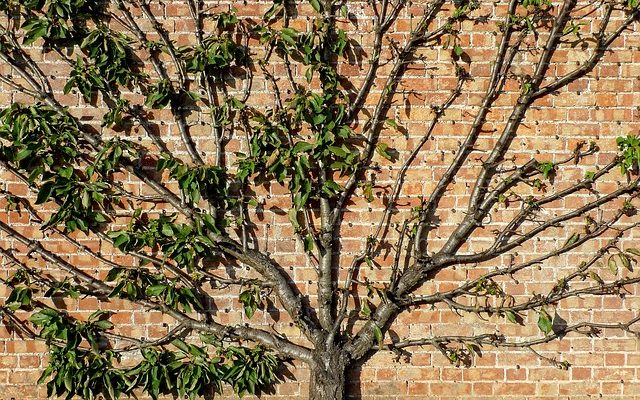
154, 146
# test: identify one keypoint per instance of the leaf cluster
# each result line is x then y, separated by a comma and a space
58, 22
140, 283
629, 153
191, 371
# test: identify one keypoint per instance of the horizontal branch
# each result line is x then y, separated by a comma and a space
101, 289
496, 340
498, 249
466, 287
290, 299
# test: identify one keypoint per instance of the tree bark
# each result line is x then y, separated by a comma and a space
328, 375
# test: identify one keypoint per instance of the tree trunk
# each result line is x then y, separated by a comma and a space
328, 376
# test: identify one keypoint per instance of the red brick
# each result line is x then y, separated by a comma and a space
600, 106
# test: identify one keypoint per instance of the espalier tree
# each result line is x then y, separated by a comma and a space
319, 137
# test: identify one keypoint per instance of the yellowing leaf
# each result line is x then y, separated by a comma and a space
625, 261
633, 251
613, 267
572, 239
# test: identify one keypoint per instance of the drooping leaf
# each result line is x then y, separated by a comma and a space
572, 239
625, 261
383, 150
613, 266
544, 322
379, 336
511, 316
316, 5
179, 343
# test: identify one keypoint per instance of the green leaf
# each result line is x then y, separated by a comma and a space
22, 154
301, 147
45, 192
572, 239
167, 230
180, 344
156, 290
316, 5
66, 172
38, 29
367, 190
369, 262
35, 174
633, 251
596, 277
344, 11
392, 123
103, 324
331, 187
117, 289
544, 322
120, 240
613, 266
42, 317
99, 217
250, 299
114, 274
293, 218
625, 261
208, 338
338, 151
318, 119
547, 168
308, 243
377, 333
98, 314
511, 316
86, 199
68, 382
365, 310
457, 50
250, 310
383, 150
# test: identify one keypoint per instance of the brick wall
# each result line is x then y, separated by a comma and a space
598, 108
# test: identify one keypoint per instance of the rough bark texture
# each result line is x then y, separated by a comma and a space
328, 376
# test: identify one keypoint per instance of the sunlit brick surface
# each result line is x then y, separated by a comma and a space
599, 107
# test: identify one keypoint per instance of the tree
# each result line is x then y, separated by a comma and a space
181, 215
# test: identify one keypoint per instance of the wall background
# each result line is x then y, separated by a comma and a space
599, 108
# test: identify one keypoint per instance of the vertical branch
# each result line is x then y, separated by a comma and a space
177, 108
474, 214
418, 37
373, 244
195, 9
326, 298
382, 23
397, 186
505, 55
